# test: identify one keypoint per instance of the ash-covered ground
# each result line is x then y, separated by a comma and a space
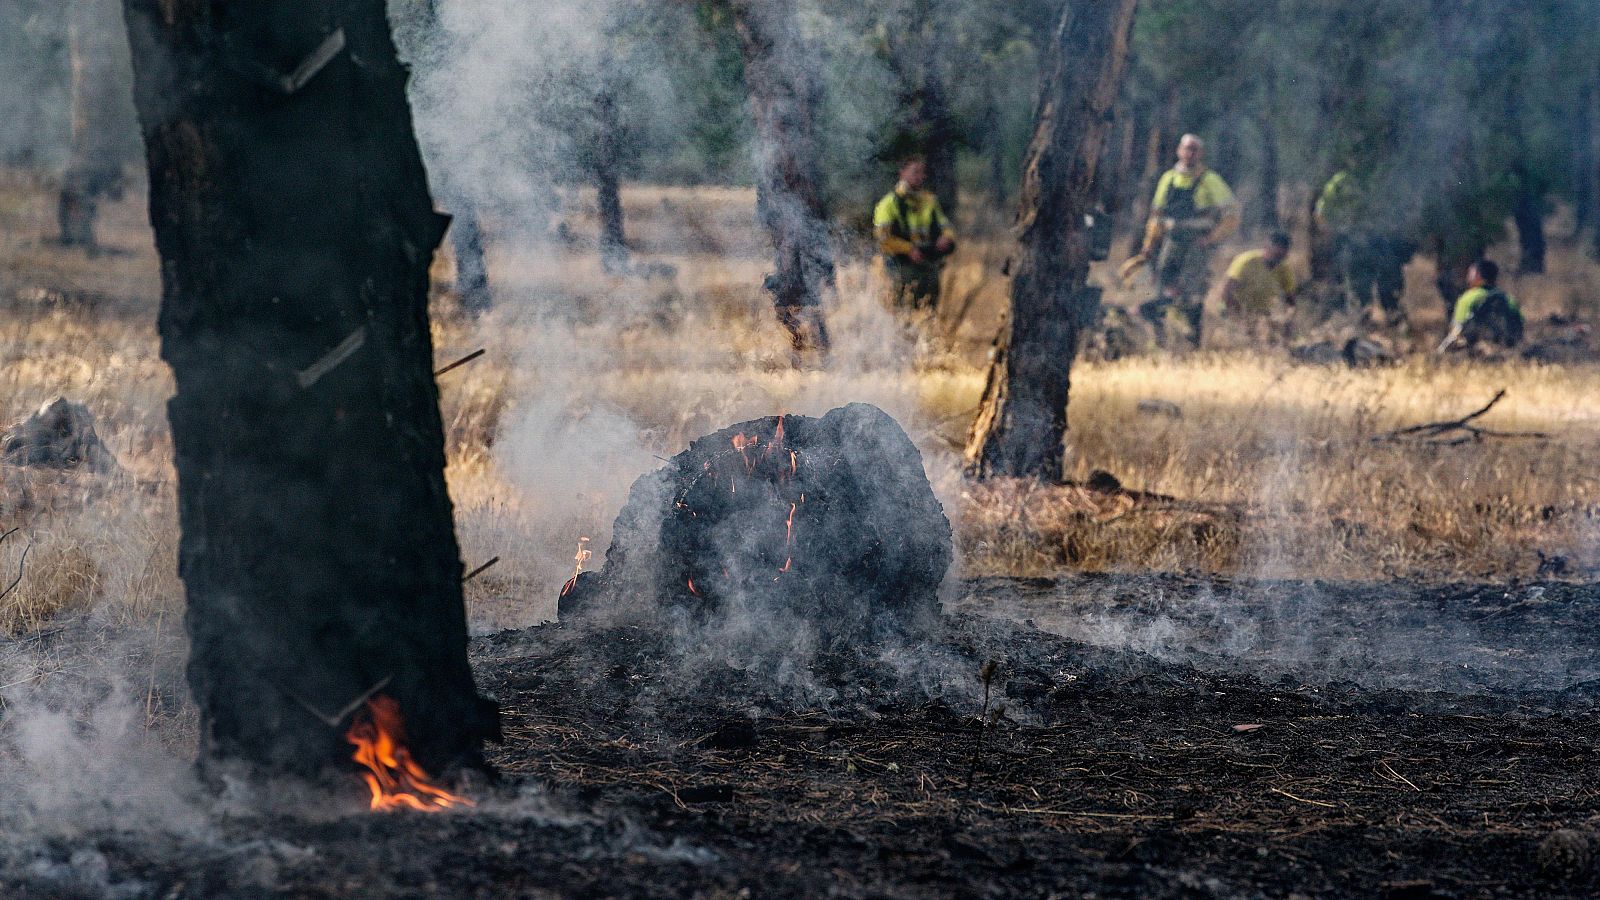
1173, 738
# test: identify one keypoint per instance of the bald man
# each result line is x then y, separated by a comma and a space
1193, 210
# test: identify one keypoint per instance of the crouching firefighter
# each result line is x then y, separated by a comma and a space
1192, 211
1484, 313
915, 238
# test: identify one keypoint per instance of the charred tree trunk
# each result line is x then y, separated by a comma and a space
608, 181
1023, 418
102, 117
785, 94
292, 215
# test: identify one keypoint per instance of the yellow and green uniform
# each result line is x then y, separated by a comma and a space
1340, 202
1182, 195
905, 219
1468, 303
1259, 283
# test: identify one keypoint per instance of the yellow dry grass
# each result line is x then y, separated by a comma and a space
589, 379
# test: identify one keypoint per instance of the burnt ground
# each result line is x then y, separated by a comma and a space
1277, 739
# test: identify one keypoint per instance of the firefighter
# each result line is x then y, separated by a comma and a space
1192, 211
1368, 260
1257, 278
915, 238
1484, 312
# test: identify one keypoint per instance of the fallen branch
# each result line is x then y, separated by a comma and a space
1433, 433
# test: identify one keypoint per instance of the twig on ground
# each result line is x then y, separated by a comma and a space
987, 675
1433, 432
22, 565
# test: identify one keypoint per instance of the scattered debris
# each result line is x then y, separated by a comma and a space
60, 435
1357, 353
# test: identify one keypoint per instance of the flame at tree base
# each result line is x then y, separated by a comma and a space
395, 779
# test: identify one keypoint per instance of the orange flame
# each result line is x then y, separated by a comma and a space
395, 779
581, 558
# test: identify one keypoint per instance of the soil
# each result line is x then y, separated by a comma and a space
1266, 739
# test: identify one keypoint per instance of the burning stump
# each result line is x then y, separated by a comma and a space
831, 520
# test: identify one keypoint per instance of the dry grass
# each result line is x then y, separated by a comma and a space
588, 379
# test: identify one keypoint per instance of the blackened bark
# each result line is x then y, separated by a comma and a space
292, 215
785, 95
1023, 418
608, 181
102, 117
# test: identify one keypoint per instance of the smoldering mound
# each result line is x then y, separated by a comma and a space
825, 523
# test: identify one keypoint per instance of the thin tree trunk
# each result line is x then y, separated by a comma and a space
607, 177
1160, 146
785, 94
1585, 160
292, 215
995, 147
472, 267
1529, 217
1267, 218
102, 117
1023, 417
938, 122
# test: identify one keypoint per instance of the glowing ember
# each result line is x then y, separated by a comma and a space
579, 559
395, 779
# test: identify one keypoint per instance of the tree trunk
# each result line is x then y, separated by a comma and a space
785, 94
295, 229
102, 117
1585, 160
1023, 418
607, 178
1160, 146
1529, 217
472, 268
937, 125
995, 147
1267, 217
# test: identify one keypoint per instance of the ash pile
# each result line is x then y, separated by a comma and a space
825, 520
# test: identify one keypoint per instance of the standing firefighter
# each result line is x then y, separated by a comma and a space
915, 237
1257, 278
1193, 209
1484, 312
1367, 259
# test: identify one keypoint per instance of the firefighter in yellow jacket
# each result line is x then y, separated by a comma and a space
1192, 212
914, 237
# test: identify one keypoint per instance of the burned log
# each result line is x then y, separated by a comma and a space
59, 435
831, 520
